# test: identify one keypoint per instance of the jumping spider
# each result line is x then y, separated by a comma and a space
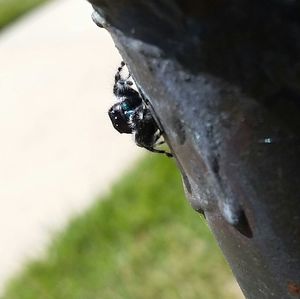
130, 115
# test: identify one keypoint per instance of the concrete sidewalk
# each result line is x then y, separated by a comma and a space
58, 148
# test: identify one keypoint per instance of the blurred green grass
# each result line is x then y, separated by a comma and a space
12, 9
143, 240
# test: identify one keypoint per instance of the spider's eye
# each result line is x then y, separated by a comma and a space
125, 106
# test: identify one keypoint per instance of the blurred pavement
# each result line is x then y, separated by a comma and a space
58, 150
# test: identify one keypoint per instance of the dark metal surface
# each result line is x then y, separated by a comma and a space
223, 78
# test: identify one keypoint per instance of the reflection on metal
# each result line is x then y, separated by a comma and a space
98, 19
266, 140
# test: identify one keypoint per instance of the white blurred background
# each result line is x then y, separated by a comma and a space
58, 150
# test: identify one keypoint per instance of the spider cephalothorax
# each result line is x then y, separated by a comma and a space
131, 115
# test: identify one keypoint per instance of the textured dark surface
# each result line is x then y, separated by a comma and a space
223, 78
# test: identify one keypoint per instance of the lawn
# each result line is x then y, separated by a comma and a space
142, 240
11, 9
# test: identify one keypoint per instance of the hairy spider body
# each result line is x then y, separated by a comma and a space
130, 115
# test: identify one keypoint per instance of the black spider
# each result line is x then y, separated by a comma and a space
131, 115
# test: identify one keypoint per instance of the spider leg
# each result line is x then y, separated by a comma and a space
161, 151
151, 149
118, 74
157, 136
129, 75
118, 79
123, 87
160, 142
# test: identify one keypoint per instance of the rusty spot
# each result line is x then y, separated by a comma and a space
294, 289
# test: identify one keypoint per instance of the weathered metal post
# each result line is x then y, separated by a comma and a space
223, 78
